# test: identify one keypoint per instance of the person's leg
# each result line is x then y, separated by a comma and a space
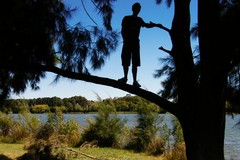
124, 79
134, 72
126, 57
125, 70
135, 63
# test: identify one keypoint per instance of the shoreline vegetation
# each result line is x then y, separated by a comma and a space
76, 104
106, 137
79, 105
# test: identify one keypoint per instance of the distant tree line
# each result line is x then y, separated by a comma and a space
127, 103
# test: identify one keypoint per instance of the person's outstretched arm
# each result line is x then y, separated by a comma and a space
149, 25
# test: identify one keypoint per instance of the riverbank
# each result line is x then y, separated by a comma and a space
14, 151
232, 136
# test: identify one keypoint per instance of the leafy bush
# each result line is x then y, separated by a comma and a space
56, 124
156, 146
177, 131
14, 130
25, 126
71, 130
175, 149
6, 124
178, 152
31, 121
145, 131
106, 127
56, 132
45, 149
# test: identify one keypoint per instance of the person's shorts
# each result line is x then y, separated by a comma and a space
131, 51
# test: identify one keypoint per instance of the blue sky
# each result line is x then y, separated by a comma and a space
150, 41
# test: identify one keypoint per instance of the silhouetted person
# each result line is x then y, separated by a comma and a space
131, 26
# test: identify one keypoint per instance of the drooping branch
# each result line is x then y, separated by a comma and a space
163, 103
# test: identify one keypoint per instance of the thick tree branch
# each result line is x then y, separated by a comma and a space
163, 103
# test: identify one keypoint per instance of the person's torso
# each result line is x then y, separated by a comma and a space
131, 27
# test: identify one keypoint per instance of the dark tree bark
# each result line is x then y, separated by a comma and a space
212, 82
203, 115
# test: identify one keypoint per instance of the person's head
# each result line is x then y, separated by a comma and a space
136, 7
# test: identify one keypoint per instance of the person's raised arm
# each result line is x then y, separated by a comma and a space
151, 25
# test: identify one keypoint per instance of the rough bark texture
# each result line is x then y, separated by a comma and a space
213, 81
203, 116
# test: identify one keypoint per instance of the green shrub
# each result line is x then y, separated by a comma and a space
71, 130
26, 126
56, 124
54, 133
15, 130
31, 121
6, 124
178, 152
177, 131
176, 149
156, 146
145, 131
45, 149
106, 127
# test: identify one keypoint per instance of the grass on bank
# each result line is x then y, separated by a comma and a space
13, 151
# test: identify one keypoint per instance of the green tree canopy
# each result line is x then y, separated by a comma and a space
36, 34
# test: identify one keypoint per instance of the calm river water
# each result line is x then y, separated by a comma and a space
232, 132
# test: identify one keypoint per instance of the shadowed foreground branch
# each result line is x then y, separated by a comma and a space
163, 103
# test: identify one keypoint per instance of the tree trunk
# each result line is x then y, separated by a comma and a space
204, 134
203, 115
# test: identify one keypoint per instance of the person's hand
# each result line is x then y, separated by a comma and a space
156, 25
